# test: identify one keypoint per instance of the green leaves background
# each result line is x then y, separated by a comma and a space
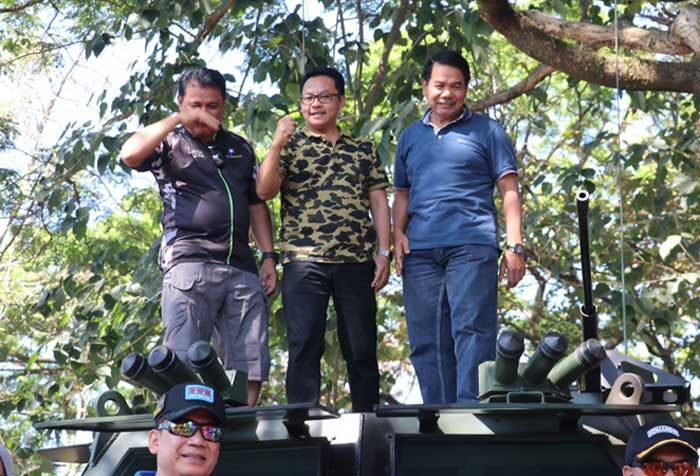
80, 279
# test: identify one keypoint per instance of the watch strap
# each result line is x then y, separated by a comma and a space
271, 254
516, 248
385, 253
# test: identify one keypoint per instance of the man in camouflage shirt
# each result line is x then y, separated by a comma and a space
329, 182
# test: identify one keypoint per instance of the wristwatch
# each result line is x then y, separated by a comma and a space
517, 248
385, 253
271, 254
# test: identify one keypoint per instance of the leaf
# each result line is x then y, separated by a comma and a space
103, 162
110, 143
117, 291
373, 126
684, 184
668, 245
135, 289
98, 45
151, 14
136, 21
56, 199
60, 357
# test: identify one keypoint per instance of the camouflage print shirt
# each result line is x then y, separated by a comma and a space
325, 198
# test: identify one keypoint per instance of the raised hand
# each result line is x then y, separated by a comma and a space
285, 128
193, 118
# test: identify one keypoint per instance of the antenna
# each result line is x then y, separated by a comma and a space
620, 180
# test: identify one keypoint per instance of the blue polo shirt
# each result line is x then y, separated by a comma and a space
451, 174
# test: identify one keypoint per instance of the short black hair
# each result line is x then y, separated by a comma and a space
449, 58
325, 71
205, 77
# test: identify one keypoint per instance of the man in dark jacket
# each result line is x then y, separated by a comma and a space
206, 178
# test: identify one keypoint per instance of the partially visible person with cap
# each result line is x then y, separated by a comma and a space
189, 423
5, 462
661, 449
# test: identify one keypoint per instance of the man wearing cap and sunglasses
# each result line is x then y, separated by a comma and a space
661, 449
188, 430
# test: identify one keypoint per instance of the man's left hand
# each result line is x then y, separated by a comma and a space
268, 276
381, 273
513, 266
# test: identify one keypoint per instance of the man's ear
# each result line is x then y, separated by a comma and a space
153, 437
627, 470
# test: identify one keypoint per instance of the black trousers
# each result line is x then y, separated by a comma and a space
306, 288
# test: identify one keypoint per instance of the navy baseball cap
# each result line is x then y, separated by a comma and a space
650, 437
183, 398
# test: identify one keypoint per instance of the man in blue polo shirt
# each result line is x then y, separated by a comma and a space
446, 234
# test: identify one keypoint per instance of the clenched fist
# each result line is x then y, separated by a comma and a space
198, 122
285, 128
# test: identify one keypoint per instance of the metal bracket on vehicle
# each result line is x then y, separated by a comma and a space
627, 390
428, 421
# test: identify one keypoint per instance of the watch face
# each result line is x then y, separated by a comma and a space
517, 249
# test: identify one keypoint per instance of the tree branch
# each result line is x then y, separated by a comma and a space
360, 55
652, 40
539, 304
524, 86
19, 8
377, 84
40, 52
345, 40
686, 27
252, 54
586, 64
663, 352
214, 20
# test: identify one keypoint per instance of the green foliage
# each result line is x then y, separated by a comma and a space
81, 284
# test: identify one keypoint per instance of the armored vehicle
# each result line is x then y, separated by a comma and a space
554, 414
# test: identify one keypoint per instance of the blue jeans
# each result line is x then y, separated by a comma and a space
450, 301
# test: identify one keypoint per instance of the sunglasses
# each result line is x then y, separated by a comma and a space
660, 468
187, 429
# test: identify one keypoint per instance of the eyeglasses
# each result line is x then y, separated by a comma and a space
323, 98
189, 428
660, 468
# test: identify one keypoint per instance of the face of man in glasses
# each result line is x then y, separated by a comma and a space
320, 116
180, 456
667, 454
